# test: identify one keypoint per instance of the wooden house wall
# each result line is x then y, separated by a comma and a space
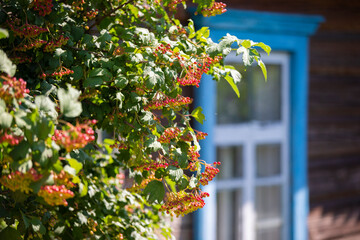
334, 113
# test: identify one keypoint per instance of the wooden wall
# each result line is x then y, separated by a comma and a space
334, 113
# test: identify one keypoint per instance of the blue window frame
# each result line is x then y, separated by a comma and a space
283, 32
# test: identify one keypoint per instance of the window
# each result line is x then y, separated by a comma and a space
263, 184
251, 137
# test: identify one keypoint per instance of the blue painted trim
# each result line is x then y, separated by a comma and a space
206, 98
263, 22
283, 32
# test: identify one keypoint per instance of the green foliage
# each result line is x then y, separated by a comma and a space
81, 74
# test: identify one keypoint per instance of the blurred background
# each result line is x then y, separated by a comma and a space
289, 147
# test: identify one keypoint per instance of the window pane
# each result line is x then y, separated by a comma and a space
269, 234
229, 222
231, 162
268, 205
259, 100
268, 160
268, 202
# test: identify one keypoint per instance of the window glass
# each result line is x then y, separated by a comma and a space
229, 221
268, 206
268, 202
268, 160
259, 100
231, 162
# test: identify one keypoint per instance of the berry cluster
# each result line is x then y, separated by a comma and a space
182, 203
10, 139
74, 137
209, 173
119, 145
138, 187
91, 14
194, 157
20, 181
216, 9
172, 5
43, 6
200, 135
50, 46
169, 134
61, 71
153, 166
55, 195
188, 137
18, 59
63, 178
26, 30
167, 102
92, 224
164, 49
35, 43
193, 154
196, 69
120, 178
13, 88
78, 5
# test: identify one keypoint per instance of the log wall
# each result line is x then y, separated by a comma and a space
334, 113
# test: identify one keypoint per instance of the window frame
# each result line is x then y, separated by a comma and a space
269, 133
283, 32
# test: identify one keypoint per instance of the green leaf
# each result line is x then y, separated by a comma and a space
93, 82
198, 115
6, 65
191, 28
155, 191
182, 156
153, 76
120, 97
25, 220
43, 128
193, 182
175, 173
247, 60
5, 119
70, 170
171, 183
83, 219
100, 72
10, 233
38, 226
230, 80
59, 52
246, 43
75, 164
44, 104
236, 76
69, 104
20, 151
78, 72
263, 68
83, 188
183, 183
153, 143
3, 33
121, 82
41, 153
265, 47
25, 166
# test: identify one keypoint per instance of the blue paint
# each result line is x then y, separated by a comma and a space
206, 98
283, 32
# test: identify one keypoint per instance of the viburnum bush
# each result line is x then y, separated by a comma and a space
73, 71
